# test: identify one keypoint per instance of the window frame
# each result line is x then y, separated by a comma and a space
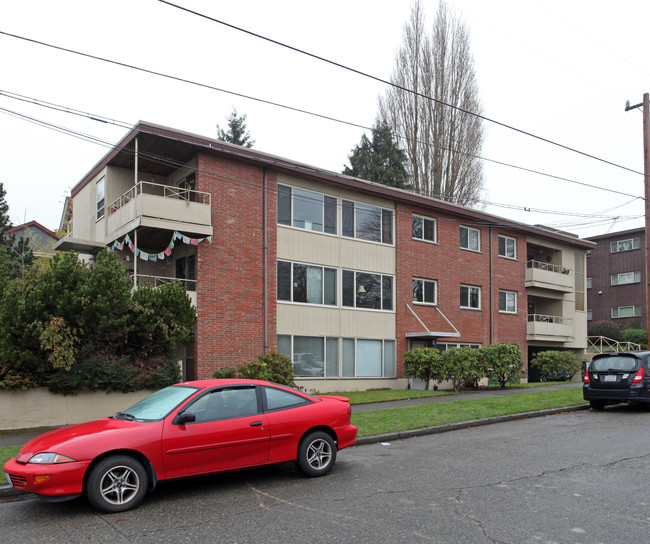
506, 293
636, 278
423, 219
327, 204
478, 238
292, 284
507, 239
423, 282
355, 290
101, 202
349, 223
615, 312
469, 297
615, 246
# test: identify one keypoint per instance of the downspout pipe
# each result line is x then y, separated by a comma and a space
265, 264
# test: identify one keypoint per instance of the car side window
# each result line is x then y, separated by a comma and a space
280, 399
228, 403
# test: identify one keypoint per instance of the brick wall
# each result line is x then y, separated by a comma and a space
229, 271
451, 266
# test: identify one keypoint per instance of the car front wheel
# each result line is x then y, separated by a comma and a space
316, 454
116, 484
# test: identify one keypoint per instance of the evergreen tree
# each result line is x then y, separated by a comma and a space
380, 159
237, 132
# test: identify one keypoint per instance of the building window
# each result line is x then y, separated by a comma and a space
508, 302
625, 278
470, 297
424, 228
365, 290
588, 253
366, 222
590, 315
425, 291
626, 311
470, 238
101, 187
507, 247
445, 346
363, 358
306, 284
186, 270
306, 209
624, 245
588, 283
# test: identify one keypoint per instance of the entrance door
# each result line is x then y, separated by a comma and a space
417, 383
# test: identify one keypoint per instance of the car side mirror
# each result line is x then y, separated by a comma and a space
184, 417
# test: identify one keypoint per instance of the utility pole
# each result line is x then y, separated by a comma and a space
646, 175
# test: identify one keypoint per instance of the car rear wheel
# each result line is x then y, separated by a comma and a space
316, 454
116, 484
597, 404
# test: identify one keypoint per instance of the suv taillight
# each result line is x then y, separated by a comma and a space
587, 376
639, 376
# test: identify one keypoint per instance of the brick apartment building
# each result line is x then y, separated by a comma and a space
341, 274
616, 279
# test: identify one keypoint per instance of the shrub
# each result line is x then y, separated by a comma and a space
604, 328
425, 364
556, 365
502, 363
462, 366
637, 336
271, 366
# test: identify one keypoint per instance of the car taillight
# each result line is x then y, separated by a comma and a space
587, 376
639, 376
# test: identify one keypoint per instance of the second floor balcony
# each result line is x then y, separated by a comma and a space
549, 327
160, 206
549, 276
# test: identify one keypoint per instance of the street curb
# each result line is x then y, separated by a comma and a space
8, 491
465, 425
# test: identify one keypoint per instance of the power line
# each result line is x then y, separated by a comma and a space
399, 87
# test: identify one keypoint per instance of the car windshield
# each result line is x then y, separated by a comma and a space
159, 404
624, 363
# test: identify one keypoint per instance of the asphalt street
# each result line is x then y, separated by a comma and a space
568, 478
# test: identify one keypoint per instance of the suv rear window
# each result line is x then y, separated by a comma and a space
625, 363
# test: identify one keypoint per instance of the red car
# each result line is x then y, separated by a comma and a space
187, 429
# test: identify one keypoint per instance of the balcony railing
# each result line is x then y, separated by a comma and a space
157, 189
157, 281
552, 326
602, 344
549, 276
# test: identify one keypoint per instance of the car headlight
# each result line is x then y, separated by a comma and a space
49, 458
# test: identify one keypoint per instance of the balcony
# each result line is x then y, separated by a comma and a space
549, 276
549, 327
156, 281
160, 207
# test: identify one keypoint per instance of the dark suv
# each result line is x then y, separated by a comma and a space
616, 377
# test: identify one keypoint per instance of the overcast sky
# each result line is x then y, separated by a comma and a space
559, 69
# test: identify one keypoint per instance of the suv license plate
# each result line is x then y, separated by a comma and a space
609, 378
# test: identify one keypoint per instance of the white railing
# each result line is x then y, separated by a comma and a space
156, 281
556, 320
165, 191
549, 267
601, 344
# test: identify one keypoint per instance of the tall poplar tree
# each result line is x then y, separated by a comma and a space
442, 142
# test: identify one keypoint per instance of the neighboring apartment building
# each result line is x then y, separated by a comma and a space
616, 279
341, 274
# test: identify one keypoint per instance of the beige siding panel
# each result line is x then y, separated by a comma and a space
305, 320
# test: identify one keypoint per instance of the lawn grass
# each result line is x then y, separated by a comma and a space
428, 415
7, 453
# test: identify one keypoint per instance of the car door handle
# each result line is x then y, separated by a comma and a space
256, 424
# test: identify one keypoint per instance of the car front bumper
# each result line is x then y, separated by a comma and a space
52, 482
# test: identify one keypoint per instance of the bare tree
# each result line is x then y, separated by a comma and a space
442, 142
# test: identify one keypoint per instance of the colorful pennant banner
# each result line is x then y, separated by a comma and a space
154, 257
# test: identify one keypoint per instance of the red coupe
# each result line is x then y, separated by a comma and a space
187, 429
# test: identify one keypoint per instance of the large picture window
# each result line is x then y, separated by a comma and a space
366, 222
307, 284
364, 358
306, 209
312, 356
624, 245
366, 290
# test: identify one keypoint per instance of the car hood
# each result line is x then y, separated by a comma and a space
86, 440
